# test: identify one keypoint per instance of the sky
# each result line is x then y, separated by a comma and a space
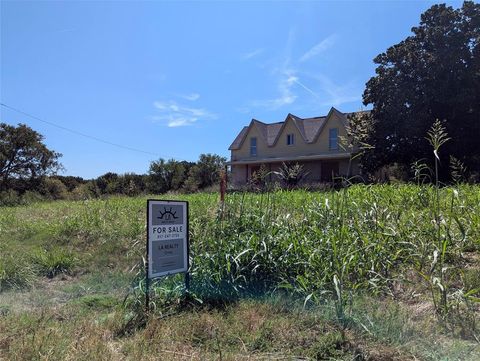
115, 85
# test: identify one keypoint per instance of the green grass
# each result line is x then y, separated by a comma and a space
404, 266
51, 262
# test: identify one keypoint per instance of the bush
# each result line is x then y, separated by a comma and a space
31, 197
85, 191
53, 188
9, 198
15, 272
54, 261
291, 174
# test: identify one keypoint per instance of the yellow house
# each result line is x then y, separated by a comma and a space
312, 142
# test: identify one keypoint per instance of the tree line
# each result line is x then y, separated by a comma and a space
28, 173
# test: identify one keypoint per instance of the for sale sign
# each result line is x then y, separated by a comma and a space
167, 237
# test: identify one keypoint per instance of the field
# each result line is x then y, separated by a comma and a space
384, 272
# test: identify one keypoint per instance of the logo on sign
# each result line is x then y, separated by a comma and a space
168, 215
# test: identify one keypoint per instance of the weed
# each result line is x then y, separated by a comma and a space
98, 301
50, 262
15, 272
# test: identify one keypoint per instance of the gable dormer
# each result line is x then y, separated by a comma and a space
291, 129
331, 131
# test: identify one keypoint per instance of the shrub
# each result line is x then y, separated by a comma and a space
31, 197
54, 261
15, 272
291, 174
9, 198
54, 189
85, 191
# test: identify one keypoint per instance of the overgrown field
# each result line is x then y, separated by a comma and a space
367, 272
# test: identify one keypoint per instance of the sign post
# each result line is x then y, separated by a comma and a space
167, 241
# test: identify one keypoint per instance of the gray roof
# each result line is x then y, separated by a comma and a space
309, 128
237, 143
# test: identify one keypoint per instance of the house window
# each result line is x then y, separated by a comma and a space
253, 147
333, 139
290, 139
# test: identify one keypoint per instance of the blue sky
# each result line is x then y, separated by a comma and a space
177, 79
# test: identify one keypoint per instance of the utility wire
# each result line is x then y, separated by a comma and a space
77, 132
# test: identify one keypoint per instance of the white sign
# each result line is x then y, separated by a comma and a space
167, 237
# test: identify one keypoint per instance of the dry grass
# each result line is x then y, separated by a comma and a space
254, 264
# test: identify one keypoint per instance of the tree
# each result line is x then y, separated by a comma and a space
164, 176
206, 172
71, 182
433, 74
24, 157
108, 183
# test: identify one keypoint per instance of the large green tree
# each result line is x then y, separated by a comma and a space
164, 176
24, 158
432, 74
207, 170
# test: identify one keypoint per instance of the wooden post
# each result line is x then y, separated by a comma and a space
223, 185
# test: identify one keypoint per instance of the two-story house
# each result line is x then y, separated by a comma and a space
311, 142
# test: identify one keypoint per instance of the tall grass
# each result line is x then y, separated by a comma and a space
293, 242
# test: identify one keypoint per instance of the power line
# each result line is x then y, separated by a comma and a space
77, 132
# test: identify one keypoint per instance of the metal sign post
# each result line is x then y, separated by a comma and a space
167, 242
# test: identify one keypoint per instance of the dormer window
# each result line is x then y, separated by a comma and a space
253, 147
290, 139
333, 139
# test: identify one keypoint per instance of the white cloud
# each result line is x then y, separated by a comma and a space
180, 122
172, 114
252, 54
285, 97
323, 45
284, 75
191, 97
321, 90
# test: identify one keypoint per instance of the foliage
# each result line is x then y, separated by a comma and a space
52, 188
206, 172
458, 170
70, 182
24, 157
434, 73
15, 272
358, 129
291, 174
108, 183
164, 176
50, 262
260, 179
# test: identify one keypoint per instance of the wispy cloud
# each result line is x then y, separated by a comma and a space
295, 87
252, 54
285, 78
173, 114
309, 90
285, 97
337, 94
191, 97
323, 45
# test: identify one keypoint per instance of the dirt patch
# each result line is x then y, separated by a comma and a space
374, 351
472, 260
45, 292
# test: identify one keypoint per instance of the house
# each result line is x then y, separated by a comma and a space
312, 142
